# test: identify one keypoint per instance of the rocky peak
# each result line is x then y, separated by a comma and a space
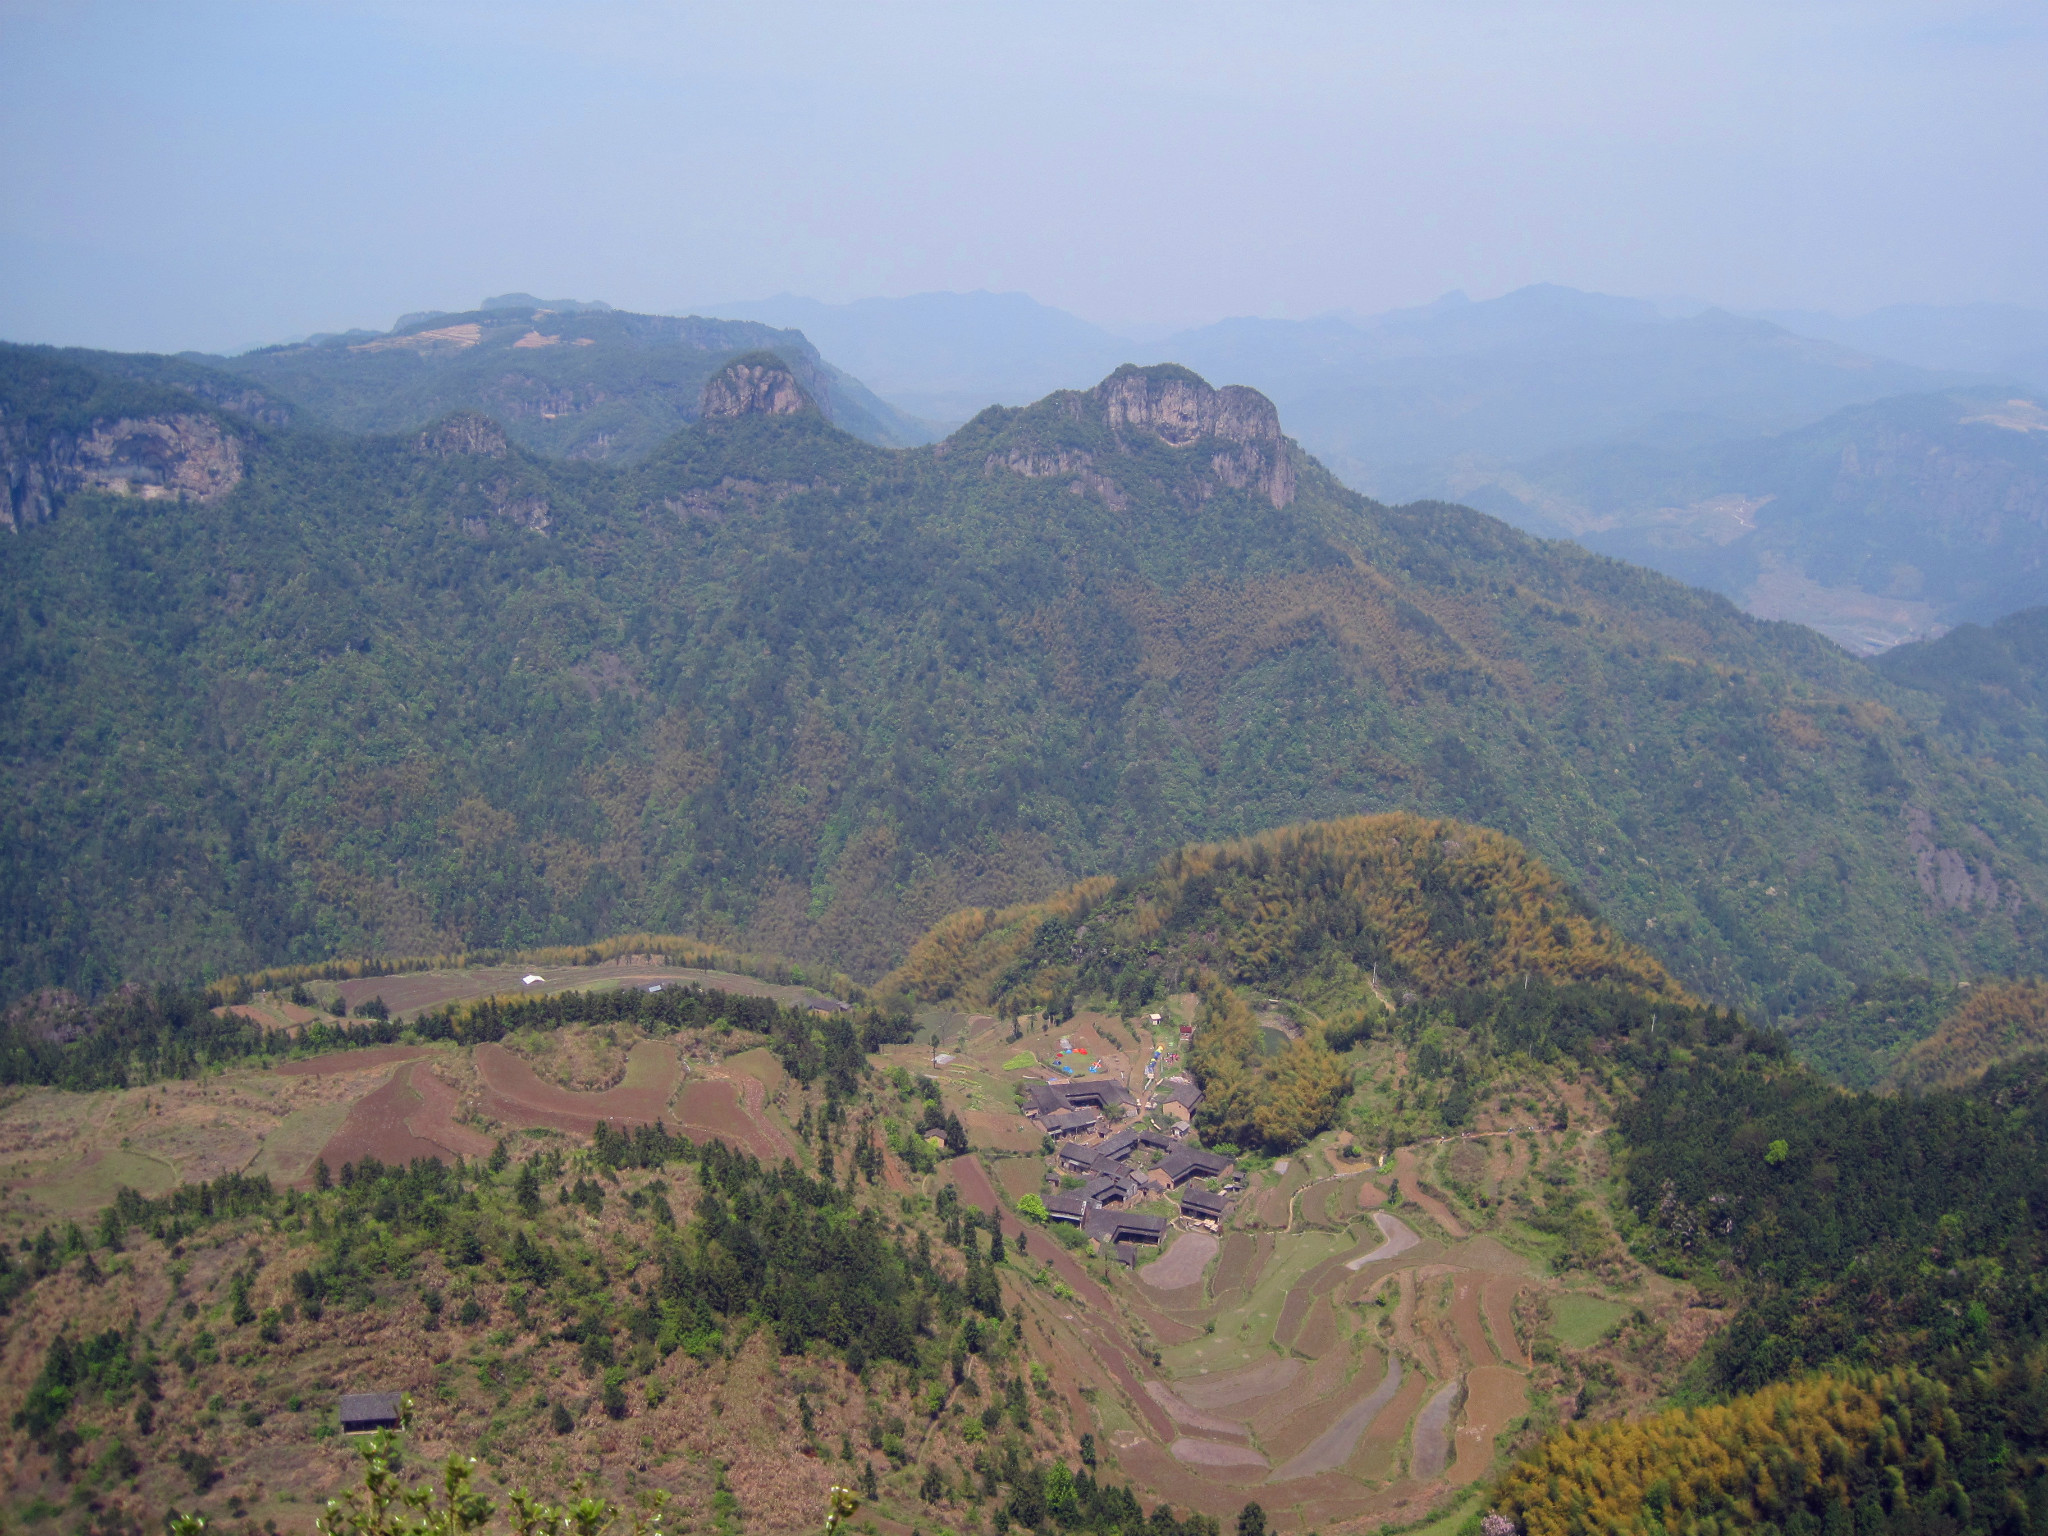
1181, 409
758, 384
464, 434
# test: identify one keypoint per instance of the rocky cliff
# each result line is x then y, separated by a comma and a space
178, 457
758, 384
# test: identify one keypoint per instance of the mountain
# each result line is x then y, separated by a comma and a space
1431, 906
947, 356
574, 380
1396, 403
1992, 1024
1992, 682
2004, 340
278, 693
1881, 523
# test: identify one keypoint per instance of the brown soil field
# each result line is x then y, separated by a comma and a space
1465, 1323
1019, 1176
1339, 1441
1318, 1335
1315, 1202
516, 1094
1182, 1264
1287, 1427
1379, 1448
1408, 1167
376, 1126
1222, 1389
1214, 1453
1187, 1414
1494, 1397
329, 1063
1234, 1268
1001, 1131
434, 1120
714, 1108
1499, 1305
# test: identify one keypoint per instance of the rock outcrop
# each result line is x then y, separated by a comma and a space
758, 384
1180, 408
1247, 450
181, 457
464, 434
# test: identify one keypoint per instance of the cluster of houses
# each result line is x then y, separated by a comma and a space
1126, 1167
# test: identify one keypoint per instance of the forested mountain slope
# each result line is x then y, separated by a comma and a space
578, 382
1425, 907
1883, 521
414, 691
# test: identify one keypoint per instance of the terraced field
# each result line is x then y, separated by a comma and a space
1336, 1357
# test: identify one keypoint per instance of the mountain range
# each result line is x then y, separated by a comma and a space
1829, 472
276, 691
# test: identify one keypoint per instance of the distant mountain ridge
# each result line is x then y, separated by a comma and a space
582, 380
1649, 431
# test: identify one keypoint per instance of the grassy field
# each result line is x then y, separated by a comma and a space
1580, 1321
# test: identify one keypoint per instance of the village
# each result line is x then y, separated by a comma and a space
1120, 1163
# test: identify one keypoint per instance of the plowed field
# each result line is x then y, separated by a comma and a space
516, 1094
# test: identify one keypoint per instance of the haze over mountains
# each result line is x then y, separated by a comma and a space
1653, 432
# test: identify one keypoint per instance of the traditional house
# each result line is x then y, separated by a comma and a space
1123, 1227
362, 1412
1189, 1164
1202, 1205
1070, 1122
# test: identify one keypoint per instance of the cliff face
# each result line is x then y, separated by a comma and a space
154, 457
1248, 451
759, 384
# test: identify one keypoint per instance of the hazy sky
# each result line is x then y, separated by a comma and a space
215, 175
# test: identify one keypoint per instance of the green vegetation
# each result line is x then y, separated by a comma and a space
1252, 1099
1868, 1451
401, 695
608, 385
1580, 1321
139, 1035
1316, 911
1991, 1023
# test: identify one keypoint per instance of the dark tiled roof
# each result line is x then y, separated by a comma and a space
1118, 1146
1123, 1227
1199, 1202
1065, 1207
1186, 1095
1066, 1121
370, 1410
1189, 1164
1104, 1188
1158, 1140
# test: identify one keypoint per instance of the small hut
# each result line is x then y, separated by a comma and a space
362, 1412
